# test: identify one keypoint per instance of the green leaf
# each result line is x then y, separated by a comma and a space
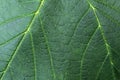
59, 40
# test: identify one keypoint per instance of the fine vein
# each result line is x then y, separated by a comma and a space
15, 18
77, 25
34, 57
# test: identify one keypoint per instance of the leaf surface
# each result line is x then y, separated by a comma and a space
59, 40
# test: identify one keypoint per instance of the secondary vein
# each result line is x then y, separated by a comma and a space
48, 48
77, 25
84, 52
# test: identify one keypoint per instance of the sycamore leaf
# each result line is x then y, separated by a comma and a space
59, 40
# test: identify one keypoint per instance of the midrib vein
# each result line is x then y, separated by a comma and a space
22, 39
104, 38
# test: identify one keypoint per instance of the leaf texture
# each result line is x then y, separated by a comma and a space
59, 40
